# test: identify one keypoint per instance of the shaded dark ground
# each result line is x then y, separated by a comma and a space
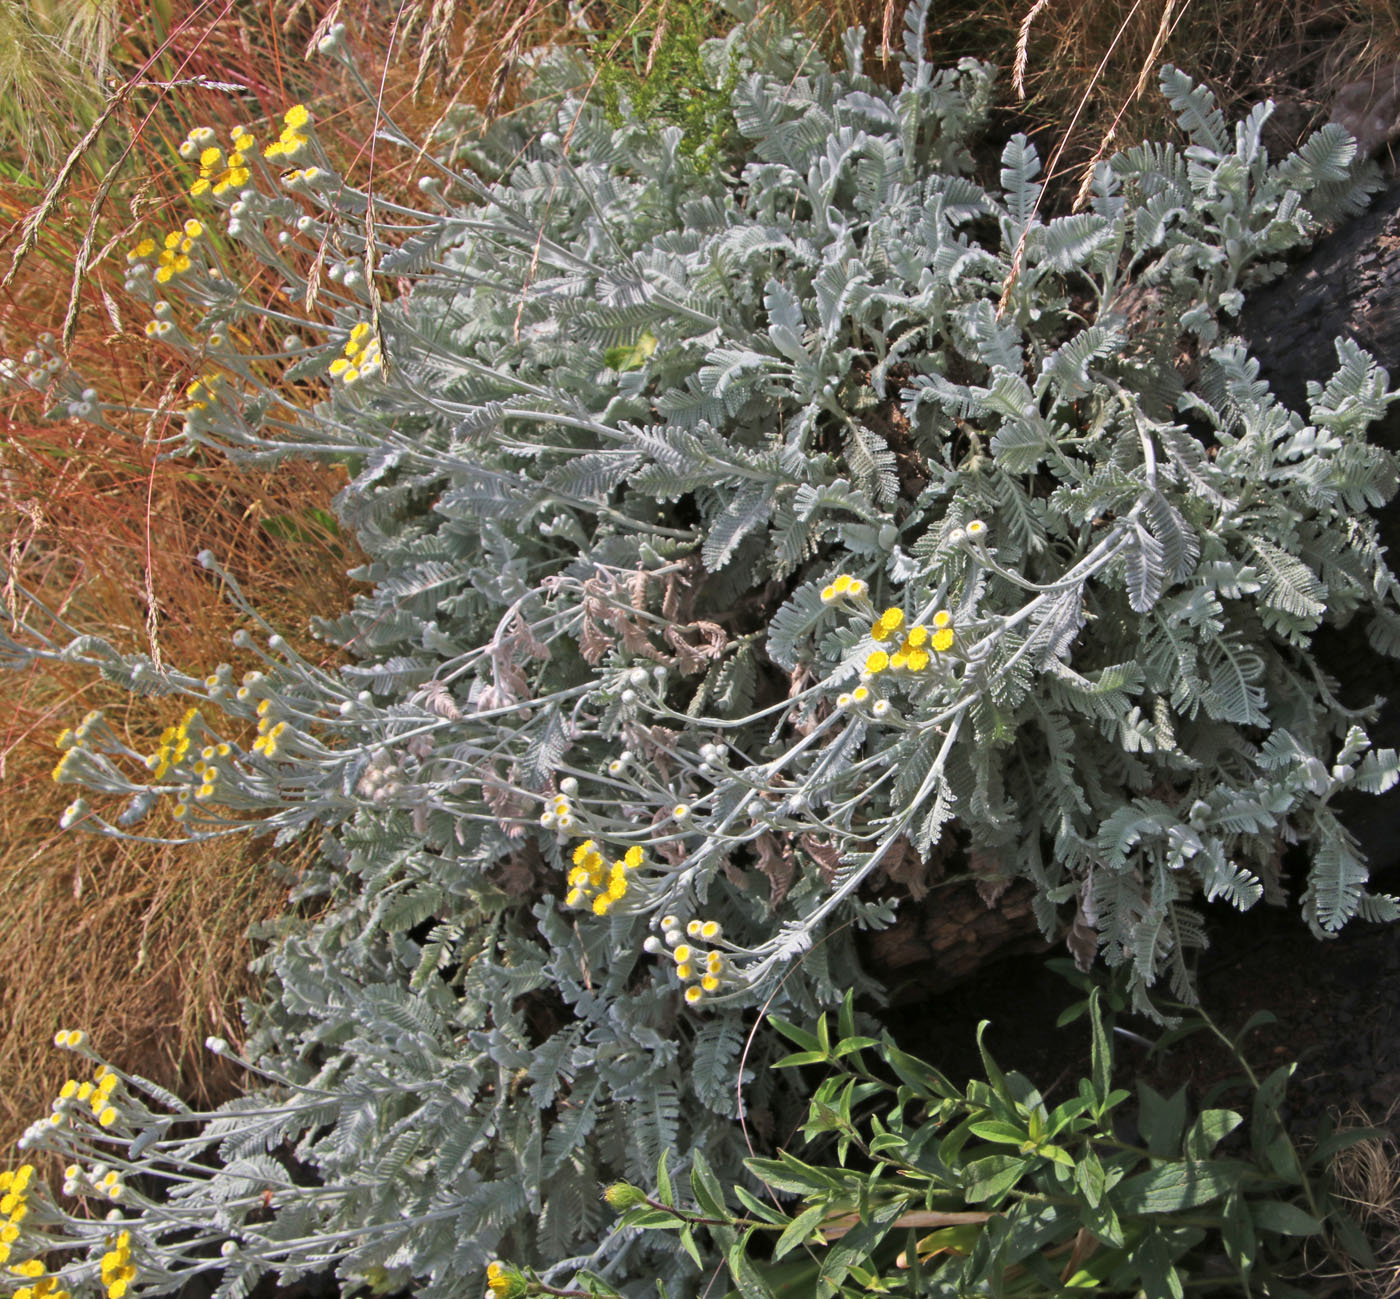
1335, 1001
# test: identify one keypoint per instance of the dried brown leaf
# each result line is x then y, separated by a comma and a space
776, 861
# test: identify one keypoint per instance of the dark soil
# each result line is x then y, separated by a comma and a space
1335, 1001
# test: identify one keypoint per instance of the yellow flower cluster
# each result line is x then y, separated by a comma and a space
504, 1281
70, 743
559, 815
360, 357
918, 645
218, 172
204, 391
174, 745
845, 586
174, 259
292, 140
45, 1287
593, 883
14, 1191
703, 970
100, 1100
269, 731
205, 768
14, 1195
850, 699
117, 1270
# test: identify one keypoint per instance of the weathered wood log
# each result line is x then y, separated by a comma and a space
946, 937
1348, 286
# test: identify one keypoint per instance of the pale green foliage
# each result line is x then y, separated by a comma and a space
834, 355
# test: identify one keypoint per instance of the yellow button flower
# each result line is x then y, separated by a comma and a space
943, 640
887, 624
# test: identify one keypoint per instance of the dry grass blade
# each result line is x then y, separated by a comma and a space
1023, 41
38, 218
1149, 66
1060, 147
1367, 1178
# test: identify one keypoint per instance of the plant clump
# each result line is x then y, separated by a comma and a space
736, 538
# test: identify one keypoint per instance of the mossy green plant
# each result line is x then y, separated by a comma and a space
663, 73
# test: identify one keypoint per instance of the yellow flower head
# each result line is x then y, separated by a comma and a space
842, 584
693, 994
943, 639
887, 624
942, 619
877, 662
918, 660
916, 638
633, 857
582, 851
296, 117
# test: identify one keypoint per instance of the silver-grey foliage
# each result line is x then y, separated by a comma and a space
647, 453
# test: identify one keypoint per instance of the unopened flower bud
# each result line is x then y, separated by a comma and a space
620, 1195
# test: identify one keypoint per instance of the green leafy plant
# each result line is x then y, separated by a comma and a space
663, 72
917, 1186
